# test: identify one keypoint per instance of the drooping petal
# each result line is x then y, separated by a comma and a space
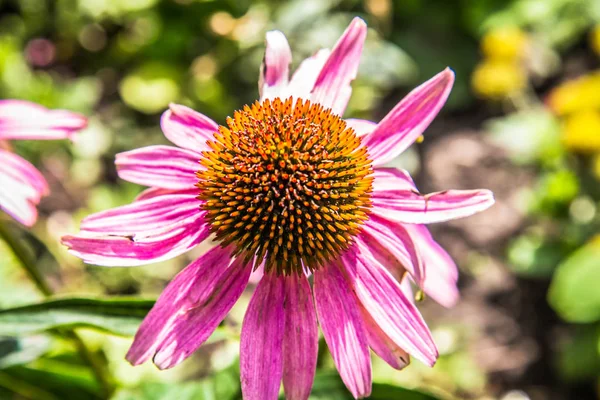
382, 345
414, 208
398, 242
187, 128
442, 273
332, 87
381, 295
24, 120
261, 345
343, 329
275, 69
144, 216
159, 166
304, 78
361, 126
387, 179
192, 286
409, 119
18, 200
23, 171
108, 250
301, 340
191, 329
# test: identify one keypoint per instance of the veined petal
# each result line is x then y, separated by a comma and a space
159, 166
387, 179
189, 330
414, 208
332, 87
18, 199
409, 119
343, 329
24, 120
169, 242
442, 273
275, 70
192, 286
304, 78
144, 215
381, 295
23, 171
188, 128
301, 341
382, 345
398, 242
261, 356
361, 126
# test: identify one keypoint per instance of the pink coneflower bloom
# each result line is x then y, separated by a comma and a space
289, 187
22, 185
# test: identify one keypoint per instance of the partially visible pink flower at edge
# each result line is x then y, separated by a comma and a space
336, 218
21, 184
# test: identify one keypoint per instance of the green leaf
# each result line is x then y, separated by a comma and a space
21, 350
579, 357
574, 290
118, 316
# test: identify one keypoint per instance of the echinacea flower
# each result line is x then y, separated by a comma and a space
290, 187
22, 184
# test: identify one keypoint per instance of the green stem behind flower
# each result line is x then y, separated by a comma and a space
25, 257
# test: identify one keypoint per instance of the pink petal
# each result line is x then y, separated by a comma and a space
192, 328
381, 295
301, 340
23, 171
387, 179
442, 273
159, 166
361, 126
343, 329
395, 240
18, 199
261, 356
414, 208
332, 87
190, 287
187, 128
306, 74
108, 250
24, 120
144, 216
275, 71
382, 345
409, 119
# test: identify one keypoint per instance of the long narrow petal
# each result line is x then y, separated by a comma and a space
187, 128
442, 273
409, 119
301, 341
23, 171
339, 317
275, 70
394, 239
191, 329
361, 126
414, 208
304, 78
387, 179
144, 216
18, 200
159, 166
24, 120
261, 345
381, 295
108, 250
382, 345
332, 87
193, 285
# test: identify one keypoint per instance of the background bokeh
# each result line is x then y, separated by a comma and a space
522, 120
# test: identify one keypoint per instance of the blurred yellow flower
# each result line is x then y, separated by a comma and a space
579, 94
496, 79
581, 131
595, 39
506, 43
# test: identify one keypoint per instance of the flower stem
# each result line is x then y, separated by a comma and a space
25, 257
